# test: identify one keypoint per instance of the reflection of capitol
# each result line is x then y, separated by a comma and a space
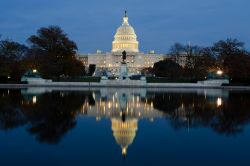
124, 109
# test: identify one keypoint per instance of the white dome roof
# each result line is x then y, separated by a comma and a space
125, 38
125, 29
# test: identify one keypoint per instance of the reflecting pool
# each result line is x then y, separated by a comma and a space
46, 126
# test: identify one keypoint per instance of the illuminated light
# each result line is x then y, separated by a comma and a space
219, 72
109, 105
98, 119
34, 100
9, 77
152, 104
62, 94
219, 102
34, 70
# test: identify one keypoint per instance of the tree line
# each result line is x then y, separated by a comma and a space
50, 52
229, 56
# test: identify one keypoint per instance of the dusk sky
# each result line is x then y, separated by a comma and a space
158, 23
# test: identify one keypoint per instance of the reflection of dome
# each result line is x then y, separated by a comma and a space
125, 38
124, 132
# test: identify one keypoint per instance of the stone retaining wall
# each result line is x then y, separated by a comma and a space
117, 83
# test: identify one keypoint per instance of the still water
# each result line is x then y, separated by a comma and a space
43, 126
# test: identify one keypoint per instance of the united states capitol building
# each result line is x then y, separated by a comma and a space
125, 39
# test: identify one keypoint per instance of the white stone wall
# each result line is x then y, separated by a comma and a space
111, 61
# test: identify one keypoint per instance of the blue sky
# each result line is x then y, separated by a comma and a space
158, 23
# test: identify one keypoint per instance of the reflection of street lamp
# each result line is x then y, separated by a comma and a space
219, 102
34, 70
219, 72
34, 100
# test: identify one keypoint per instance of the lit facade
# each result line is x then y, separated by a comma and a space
125, 39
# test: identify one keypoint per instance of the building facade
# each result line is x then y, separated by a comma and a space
125, 39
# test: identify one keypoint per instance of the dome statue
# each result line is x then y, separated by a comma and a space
125, 38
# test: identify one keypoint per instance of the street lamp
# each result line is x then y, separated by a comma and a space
34, 70
219, 72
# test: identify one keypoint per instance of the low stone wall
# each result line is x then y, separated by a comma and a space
123, 83
126, 84
117, 83
214, 82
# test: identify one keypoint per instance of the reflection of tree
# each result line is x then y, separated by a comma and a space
53, 115
50, 118
235, 114
10, 114
167, 102
193, 110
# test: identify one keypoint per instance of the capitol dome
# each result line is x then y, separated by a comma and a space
125, 38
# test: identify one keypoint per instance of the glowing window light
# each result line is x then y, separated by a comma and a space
109, 105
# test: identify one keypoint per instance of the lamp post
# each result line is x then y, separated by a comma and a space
219, 72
